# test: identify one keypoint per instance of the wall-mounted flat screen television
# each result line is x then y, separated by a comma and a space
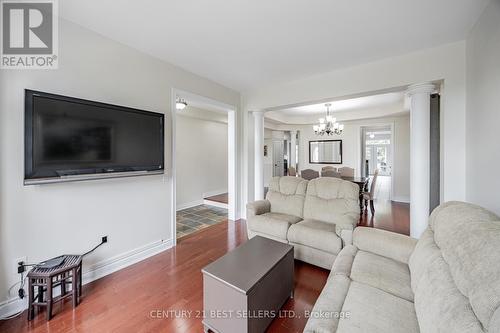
68, 139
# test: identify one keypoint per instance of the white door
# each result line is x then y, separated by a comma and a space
378, 157
278, 159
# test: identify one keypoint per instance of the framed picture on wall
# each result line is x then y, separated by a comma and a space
325, 152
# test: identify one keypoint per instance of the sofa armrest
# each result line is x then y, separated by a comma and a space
258, 207
384, 243
345, 226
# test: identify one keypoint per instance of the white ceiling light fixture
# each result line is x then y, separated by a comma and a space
328, 125
180, 103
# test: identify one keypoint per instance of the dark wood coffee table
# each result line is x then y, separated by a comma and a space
244, 290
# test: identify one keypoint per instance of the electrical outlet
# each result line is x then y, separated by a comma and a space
17, 261
104, 239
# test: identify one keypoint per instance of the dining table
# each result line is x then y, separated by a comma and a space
362, 182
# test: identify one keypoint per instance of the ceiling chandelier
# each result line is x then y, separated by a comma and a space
328, 125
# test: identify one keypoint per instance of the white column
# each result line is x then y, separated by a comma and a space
231, 168
258, 117
293, 155
419, 95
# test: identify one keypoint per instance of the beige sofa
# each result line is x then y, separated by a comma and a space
448, 281
316, 216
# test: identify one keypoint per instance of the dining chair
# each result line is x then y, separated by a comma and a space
292, 172
328, 168
309, 174
330, 173
370, 196
346, 172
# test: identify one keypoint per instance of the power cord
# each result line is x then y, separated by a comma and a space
21, 290
103, 240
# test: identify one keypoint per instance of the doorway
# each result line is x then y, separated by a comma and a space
202, 102
278, 158
377, 154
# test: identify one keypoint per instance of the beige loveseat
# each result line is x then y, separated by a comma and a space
448, 281
316, 216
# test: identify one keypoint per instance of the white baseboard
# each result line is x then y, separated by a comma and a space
189, 204
215, 204
111, 265
96, 271
12, 306
401, 199
216, 192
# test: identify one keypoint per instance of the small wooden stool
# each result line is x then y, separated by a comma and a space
46, 279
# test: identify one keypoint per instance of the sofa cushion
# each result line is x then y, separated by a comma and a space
332, 200
375, 311
468, 237
273, 224
382, 273
252, 234
313, 256
286, 195
316, 234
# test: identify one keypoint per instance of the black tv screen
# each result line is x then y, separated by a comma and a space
67, 137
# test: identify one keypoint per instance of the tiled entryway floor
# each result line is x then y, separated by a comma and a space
196, 218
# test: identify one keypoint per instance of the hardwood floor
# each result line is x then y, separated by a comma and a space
383, 188
220, 198
138, 298
389, 215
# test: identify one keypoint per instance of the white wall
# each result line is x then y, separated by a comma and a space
445, 64
401, 160
483, 109
351, 146
43, 221
201, 158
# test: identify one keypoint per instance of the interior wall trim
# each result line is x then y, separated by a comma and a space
189, 204
401, 199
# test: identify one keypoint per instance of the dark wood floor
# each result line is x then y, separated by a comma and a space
125, 301
389, 215
220, 198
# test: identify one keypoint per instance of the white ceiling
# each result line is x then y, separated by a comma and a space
375, 106
243, 44
367, 102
